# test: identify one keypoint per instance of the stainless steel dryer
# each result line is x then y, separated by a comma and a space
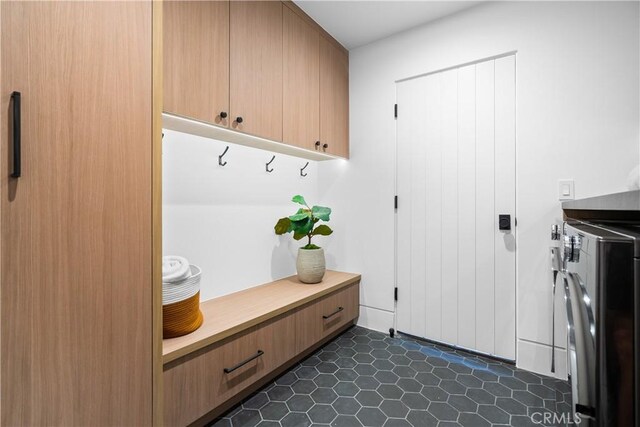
600, 275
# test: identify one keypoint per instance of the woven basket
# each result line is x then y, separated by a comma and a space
181, 313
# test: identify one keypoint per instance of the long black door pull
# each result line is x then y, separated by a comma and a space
15, 98
244, 362
327, 316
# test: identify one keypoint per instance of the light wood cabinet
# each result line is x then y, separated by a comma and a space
196, 60
320, 319
262, 68
255, 334
256, 68
301, 67
217, 373
76, 256
334, 98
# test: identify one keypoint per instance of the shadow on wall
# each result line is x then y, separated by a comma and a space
330, 259
509, 242
283, 259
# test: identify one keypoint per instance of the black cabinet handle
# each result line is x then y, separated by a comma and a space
223, 114
244, 362
326, 316
238, 119
15, 98
317, 144
325, 146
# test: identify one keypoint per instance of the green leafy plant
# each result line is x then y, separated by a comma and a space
303, 222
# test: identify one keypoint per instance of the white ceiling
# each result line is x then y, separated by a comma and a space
356, 23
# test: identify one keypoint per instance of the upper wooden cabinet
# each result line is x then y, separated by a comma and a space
256, 68
301, 103
262, 68
334, 98
196, 59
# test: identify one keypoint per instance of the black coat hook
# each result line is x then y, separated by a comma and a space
302, 170
267, 165
220, 162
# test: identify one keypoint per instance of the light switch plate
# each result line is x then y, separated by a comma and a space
566, 189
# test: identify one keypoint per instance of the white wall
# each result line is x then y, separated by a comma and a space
222, 218
577, 117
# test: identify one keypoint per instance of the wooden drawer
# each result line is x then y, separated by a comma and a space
196, 384
321, 318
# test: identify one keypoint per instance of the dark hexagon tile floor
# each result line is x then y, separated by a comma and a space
366, 378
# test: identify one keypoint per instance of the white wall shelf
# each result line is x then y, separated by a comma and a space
206, 130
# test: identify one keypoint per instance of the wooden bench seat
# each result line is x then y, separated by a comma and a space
248, 338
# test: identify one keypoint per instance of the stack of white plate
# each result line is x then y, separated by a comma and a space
180, 291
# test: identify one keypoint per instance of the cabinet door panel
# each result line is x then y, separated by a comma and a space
325, 316
196, 59
256, 68
197, 384
301, 103
76, 226
334, 98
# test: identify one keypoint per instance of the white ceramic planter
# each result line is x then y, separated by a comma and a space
310, 265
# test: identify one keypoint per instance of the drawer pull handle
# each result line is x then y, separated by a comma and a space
244, 362
326, 316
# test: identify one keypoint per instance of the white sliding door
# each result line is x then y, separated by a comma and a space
455, 176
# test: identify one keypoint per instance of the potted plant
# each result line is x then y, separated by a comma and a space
310, 263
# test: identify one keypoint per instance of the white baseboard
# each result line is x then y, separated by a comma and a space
531, 356
536, 358
376, 319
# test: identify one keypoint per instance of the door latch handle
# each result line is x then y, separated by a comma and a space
504, 222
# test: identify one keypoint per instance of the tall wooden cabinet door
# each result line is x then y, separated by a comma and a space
196, 59
334, 98
301, 97
256, 68
75, 233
